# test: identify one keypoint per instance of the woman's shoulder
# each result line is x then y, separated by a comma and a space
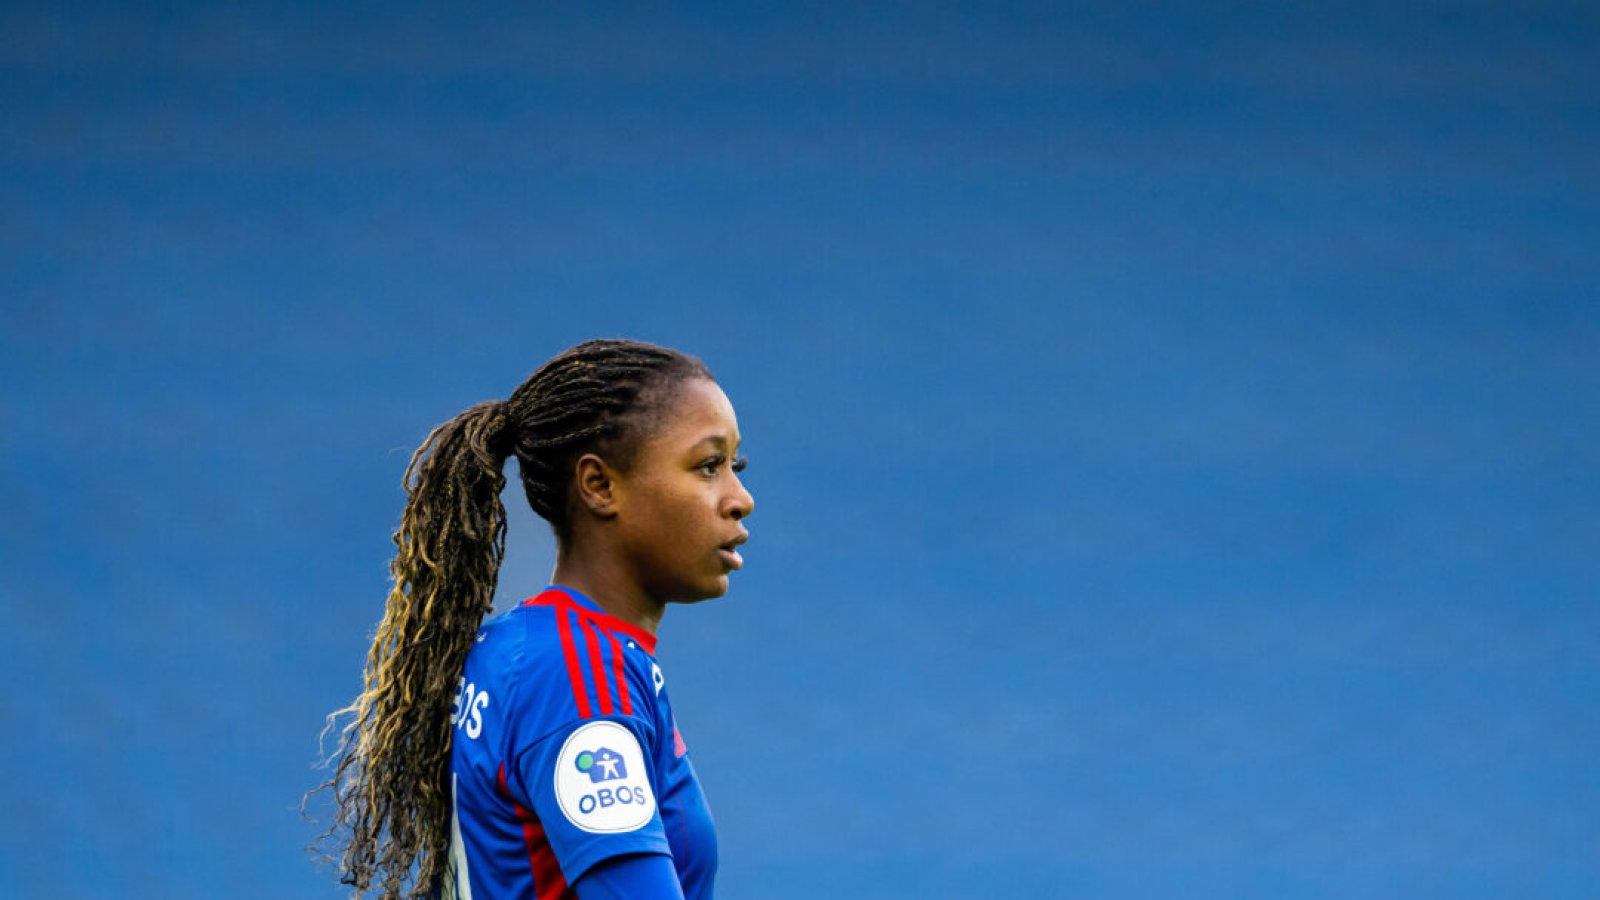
522, 637
544, 676
517, 658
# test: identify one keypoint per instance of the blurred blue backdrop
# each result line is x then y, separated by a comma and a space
1173, 425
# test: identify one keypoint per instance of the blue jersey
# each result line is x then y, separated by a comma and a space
564, 753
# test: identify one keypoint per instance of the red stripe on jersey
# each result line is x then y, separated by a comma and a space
579, 692
622, 676
601, 689
559, 598
548, 882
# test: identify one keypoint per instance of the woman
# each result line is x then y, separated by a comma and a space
536, 756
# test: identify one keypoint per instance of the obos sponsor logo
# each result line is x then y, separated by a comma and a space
601, 783
466, 713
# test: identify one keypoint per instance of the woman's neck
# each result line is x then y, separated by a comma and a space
606, 584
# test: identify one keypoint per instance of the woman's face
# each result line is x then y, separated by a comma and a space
682, 500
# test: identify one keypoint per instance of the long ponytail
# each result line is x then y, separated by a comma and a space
394, 755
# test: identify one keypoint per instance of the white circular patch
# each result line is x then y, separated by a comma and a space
601, 781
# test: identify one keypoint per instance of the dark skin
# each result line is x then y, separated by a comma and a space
665, 530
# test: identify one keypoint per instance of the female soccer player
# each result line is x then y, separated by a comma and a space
535, 755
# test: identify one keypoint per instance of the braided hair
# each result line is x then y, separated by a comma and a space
391, 780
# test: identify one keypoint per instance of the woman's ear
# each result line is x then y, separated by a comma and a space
595, 483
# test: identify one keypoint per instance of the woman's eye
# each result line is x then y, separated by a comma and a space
711, 466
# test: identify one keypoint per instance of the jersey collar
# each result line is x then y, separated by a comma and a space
559, 595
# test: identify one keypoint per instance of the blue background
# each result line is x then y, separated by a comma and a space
1173, 426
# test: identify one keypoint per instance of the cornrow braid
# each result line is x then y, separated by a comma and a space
390, 782
601, 396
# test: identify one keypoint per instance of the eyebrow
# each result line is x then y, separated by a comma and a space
716, 440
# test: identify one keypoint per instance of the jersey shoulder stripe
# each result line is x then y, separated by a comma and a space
588, 636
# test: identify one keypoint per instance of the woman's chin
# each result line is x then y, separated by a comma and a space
709, 590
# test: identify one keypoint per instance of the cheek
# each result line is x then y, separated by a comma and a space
673, 522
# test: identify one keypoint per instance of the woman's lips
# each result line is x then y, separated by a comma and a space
730, 554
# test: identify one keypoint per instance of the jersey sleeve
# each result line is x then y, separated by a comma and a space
592, 786
633, 877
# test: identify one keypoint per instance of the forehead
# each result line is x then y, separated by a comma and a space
699, 411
